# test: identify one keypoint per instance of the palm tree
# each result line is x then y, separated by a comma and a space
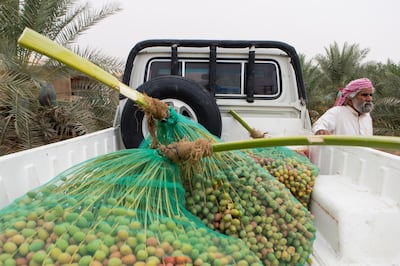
339, 66
24, 123
386, 79
312, 82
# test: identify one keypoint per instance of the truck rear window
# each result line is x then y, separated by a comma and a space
230, 75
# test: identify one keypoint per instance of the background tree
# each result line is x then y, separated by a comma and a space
386, 115
24, 123
312, 81
338, 67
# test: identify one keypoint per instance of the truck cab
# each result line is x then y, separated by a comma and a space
260, 80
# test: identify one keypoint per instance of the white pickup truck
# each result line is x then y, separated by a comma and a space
355, 200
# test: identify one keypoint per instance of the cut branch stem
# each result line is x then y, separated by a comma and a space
34, 41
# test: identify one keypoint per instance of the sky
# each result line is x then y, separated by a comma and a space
311, 26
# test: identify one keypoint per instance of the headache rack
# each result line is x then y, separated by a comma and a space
174, 44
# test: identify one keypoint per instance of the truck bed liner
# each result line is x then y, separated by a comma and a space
356, 210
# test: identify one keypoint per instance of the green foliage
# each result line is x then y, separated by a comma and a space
24, 123
312, 81
386, 116
339, 66
16, 112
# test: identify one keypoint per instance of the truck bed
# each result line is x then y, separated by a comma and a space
355, 200
356, 206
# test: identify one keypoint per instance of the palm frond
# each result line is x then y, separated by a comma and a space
79, 19
111, 64
17, 105
386, 116
340, 65
23, 122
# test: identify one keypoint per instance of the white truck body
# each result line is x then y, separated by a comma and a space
355, 199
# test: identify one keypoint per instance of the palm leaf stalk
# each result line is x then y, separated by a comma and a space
384, 142
32, 40
185, 150
173, 126
286, 166
254, 133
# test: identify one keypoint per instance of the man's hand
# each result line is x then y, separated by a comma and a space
322, 132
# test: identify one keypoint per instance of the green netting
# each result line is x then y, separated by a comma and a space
233, 195
176, 128
290, 168
136, 207
286, 165
123, 208
127, 208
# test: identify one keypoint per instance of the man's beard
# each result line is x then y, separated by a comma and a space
363, 107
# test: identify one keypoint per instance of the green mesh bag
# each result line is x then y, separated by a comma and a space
123, 208
292, 169
233, 195
175, 128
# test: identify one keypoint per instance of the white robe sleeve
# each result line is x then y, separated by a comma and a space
326, 122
